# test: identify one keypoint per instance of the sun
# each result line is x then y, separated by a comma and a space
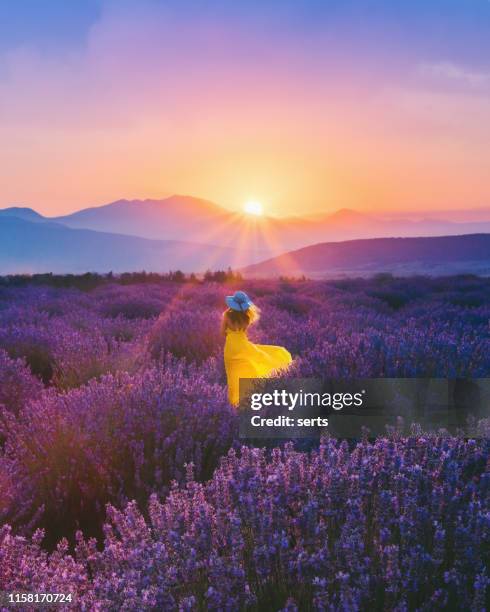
253, 207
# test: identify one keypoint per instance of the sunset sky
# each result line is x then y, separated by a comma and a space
305, 106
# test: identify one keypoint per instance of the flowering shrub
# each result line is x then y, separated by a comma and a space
65, 345
398, 524
26, 567
31, 343
188, 333
135, 390
82, 356
117, 439
134, 309
17, 384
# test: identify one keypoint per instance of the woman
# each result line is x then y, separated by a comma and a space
243, 359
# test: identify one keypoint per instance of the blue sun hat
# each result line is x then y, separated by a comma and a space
239, 301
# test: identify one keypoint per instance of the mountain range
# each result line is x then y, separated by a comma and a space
36, 247
201, 221
437, 255
197, 220
192, 234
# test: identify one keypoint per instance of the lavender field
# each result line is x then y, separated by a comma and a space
123, 481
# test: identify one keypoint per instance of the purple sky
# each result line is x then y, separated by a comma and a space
305, 106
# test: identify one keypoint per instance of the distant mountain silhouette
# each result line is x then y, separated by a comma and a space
27, 247
21, 212
196, 220
177, 217
432, 255
233, 238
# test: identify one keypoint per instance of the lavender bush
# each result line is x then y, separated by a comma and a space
398, 524
186, 333
17, 385
26, 567
116, 439
107, 395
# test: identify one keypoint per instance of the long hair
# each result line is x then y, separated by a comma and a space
236, 320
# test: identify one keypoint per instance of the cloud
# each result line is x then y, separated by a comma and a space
455, 73
156, 98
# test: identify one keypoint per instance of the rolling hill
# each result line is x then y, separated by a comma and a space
432, 255
31, 247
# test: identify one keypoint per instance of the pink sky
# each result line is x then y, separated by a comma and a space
153, 103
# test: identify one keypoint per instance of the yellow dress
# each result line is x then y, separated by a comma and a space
243, 359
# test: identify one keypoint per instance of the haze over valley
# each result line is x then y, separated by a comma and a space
193, 235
